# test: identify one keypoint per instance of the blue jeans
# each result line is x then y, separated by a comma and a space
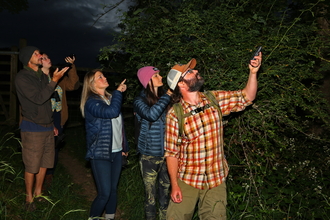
106, 175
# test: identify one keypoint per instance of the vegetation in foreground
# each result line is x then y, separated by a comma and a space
298, 190
64, 200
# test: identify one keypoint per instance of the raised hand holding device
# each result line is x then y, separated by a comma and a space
256, 53
252, 60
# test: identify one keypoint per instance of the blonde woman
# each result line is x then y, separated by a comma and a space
105, 139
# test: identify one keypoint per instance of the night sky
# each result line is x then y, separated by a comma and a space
62, 27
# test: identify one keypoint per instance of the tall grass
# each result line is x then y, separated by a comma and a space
274, 195
64, 200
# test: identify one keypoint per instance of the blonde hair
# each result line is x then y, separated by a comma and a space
88, 89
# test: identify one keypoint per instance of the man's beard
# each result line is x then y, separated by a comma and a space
39, 65
194, 84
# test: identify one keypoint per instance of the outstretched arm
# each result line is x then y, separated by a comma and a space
252, 84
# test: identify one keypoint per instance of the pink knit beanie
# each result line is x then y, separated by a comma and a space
145, 73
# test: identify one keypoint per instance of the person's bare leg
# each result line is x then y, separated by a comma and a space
29, 181
39, 181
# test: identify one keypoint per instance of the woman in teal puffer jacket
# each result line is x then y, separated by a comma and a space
150, 109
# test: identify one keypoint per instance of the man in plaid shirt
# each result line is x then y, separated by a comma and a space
197, 166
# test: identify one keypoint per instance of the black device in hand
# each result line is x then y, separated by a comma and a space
256, 52
67, 64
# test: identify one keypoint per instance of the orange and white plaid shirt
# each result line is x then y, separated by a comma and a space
200, 157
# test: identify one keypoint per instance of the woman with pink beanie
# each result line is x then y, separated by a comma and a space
150, 109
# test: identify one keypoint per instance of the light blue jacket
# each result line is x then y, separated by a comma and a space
151, 138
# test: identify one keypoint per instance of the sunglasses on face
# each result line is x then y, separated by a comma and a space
188, 71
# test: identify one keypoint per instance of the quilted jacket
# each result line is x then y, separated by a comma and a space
152, 131
99, 127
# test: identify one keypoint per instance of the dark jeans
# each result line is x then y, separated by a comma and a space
106, 175
156, 184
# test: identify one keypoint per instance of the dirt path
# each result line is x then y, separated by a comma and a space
80, 174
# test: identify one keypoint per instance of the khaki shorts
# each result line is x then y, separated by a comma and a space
211, 203
38, 150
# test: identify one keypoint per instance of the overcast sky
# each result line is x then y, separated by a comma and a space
62, 27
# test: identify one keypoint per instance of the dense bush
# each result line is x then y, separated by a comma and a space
278, 149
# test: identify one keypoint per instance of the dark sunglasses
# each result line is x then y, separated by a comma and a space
188, 71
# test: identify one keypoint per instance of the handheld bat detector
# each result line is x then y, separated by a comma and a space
256, 53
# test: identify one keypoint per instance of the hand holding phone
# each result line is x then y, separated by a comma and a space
256, 53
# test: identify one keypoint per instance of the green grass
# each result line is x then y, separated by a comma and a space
288, 193
64, 201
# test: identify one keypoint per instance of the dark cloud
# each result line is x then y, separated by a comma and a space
61, 27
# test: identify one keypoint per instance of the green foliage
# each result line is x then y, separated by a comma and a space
277, 148
64, 202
